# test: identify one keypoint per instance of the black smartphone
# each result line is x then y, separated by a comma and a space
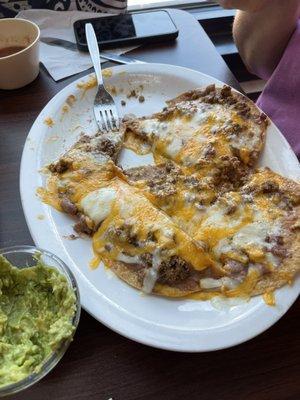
128, 29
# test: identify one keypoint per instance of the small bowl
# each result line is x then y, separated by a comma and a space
22, 67
21, 256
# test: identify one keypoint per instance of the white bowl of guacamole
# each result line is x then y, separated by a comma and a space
39, 313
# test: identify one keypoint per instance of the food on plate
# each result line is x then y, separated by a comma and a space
201, 221
183, 197
37, 306
209, 132
141, 244
79, 171
254, 233
248, 232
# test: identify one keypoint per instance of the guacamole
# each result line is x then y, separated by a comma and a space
36, 310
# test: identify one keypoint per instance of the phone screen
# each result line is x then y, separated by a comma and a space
129, 26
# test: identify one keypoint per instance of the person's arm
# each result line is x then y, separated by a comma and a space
262, 30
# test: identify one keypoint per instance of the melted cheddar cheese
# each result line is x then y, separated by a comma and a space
269, 298
85, 175
133, 210
227, 240
196, 137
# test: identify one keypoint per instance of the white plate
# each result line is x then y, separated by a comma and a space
183, 325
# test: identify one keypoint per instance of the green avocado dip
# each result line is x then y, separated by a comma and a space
36, 310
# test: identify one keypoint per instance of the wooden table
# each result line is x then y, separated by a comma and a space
101, 364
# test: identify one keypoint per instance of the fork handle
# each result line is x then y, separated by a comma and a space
94, 51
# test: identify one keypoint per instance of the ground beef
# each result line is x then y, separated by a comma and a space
279, 251
248, 190
226, 91
160, 179
209, 151
235, 151
223, 96
278, 248
235, 268
151, 237
108, 247
231, 208
242, 108
133, 239
211, 99
295, 226
68, 207
170, 167
106, 146
71, 237
132, 93
212, 96
277, 239
229, 167
83, 225
261, 119
100, 145
168, 112
148, 173
60, 166
270, 187
135, 174
124, 234
193, 183
233, 129
173, 270
84, 139
162, 189
209, 89
231, 170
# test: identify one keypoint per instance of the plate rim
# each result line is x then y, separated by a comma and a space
83, 283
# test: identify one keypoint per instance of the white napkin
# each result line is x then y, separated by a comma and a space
59, 61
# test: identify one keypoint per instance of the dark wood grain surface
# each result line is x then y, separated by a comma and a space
101, 364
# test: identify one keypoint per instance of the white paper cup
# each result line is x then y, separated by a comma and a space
21, 68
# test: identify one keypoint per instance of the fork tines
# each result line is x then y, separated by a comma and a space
106, 117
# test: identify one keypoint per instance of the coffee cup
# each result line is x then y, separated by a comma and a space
19, 52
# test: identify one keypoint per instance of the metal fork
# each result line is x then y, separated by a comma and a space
105, 109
